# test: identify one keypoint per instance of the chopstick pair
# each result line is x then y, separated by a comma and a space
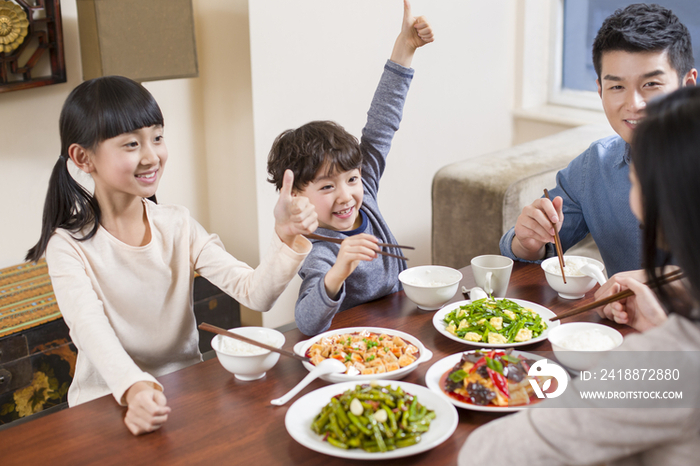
663, 280
384, 245
557, 242
214, 329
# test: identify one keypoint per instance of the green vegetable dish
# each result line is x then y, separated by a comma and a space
374, 418
495, 321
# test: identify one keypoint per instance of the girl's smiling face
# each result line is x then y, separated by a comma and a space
130, 164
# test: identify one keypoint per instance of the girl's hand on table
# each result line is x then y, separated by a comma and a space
641, 311
147, 409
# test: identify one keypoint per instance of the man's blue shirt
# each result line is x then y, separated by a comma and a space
595, 188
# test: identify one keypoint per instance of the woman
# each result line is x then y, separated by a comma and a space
665, 197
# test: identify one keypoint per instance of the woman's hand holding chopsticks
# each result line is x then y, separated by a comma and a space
641, 311
647, 315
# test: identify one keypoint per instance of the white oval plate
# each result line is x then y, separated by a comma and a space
545, 313
437, 370
425, 354
302, 413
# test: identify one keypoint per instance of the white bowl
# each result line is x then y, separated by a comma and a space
425, 354
576, 286
247, 366
430, 286
574, 354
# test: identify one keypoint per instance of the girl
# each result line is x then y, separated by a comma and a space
665, 197
122, 266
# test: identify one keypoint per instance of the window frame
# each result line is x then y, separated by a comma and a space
542, 60
557, 95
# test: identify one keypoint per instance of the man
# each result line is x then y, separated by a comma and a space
640, 52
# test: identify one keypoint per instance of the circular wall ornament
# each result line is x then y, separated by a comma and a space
13, 26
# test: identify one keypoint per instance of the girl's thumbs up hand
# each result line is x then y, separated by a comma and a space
294, 215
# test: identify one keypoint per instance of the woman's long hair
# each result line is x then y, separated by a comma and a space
666, 159
96, 110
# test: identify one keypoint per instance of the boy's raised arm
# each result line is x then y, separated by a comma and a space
415, 32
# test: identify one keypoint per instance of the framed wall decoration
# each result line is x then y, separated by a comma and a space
31, 44
145, 40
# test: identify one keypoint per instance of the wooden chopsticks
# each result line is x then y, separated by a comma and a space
663, 280
557, 242
226, 333
384, 245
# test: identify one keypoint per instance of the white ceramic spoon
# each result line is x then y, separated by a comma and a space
327, 366
477, 293
592, 271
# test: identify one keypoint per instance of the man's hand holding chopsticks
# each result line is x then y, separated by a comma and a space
533, 229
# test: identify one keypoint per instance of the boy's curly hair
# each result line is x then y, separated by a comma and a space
306, 150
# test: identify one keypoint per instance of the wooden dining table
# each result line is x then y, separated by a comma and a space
217, 419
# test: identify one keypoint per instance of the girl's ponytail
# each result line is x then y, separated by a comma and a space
68, 205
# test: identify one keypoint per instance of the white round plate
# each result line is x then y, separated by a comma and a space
425, 354
437, 370
545, 313
302, 413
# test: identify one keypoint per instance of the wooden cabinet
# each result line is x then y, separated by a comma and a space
37, 357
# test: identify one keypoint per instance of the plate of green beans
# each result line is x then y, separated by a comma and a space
377, 420
494, 323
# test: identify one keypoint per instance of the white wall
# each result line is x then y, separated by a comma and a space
321, 59
269, 65
30, 145
227, 113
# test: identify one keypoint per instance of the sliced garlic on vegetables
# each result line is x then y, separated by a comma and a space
380, 415
356, 407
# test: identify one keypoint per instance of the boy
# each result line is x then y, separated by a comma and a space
340, 177
640, 52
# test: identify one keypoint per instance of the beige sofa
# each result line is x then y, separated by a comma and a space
477, 200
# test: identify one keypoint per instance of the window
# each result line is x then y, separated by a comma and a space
574, 78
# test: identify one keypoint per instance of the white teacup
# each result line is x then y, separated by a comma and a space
492, 274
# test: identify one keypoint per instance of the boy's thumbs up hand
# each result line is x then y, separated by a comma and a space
294, 215
415, 29
415, 32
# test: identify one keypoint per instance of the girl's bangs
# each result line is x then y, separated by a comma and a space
122, 106
125, 116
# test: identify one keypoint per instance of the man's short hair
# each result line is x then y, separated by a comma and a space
645, 28
308, 149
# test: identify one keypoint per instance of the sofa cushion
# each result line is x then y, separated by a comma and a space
476, 200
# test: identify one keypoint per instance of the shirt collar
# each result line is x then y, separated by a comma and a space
625, 159
361, 228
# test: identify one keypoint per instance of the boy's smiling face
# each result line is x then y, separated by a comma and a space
337, 198
628, 80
